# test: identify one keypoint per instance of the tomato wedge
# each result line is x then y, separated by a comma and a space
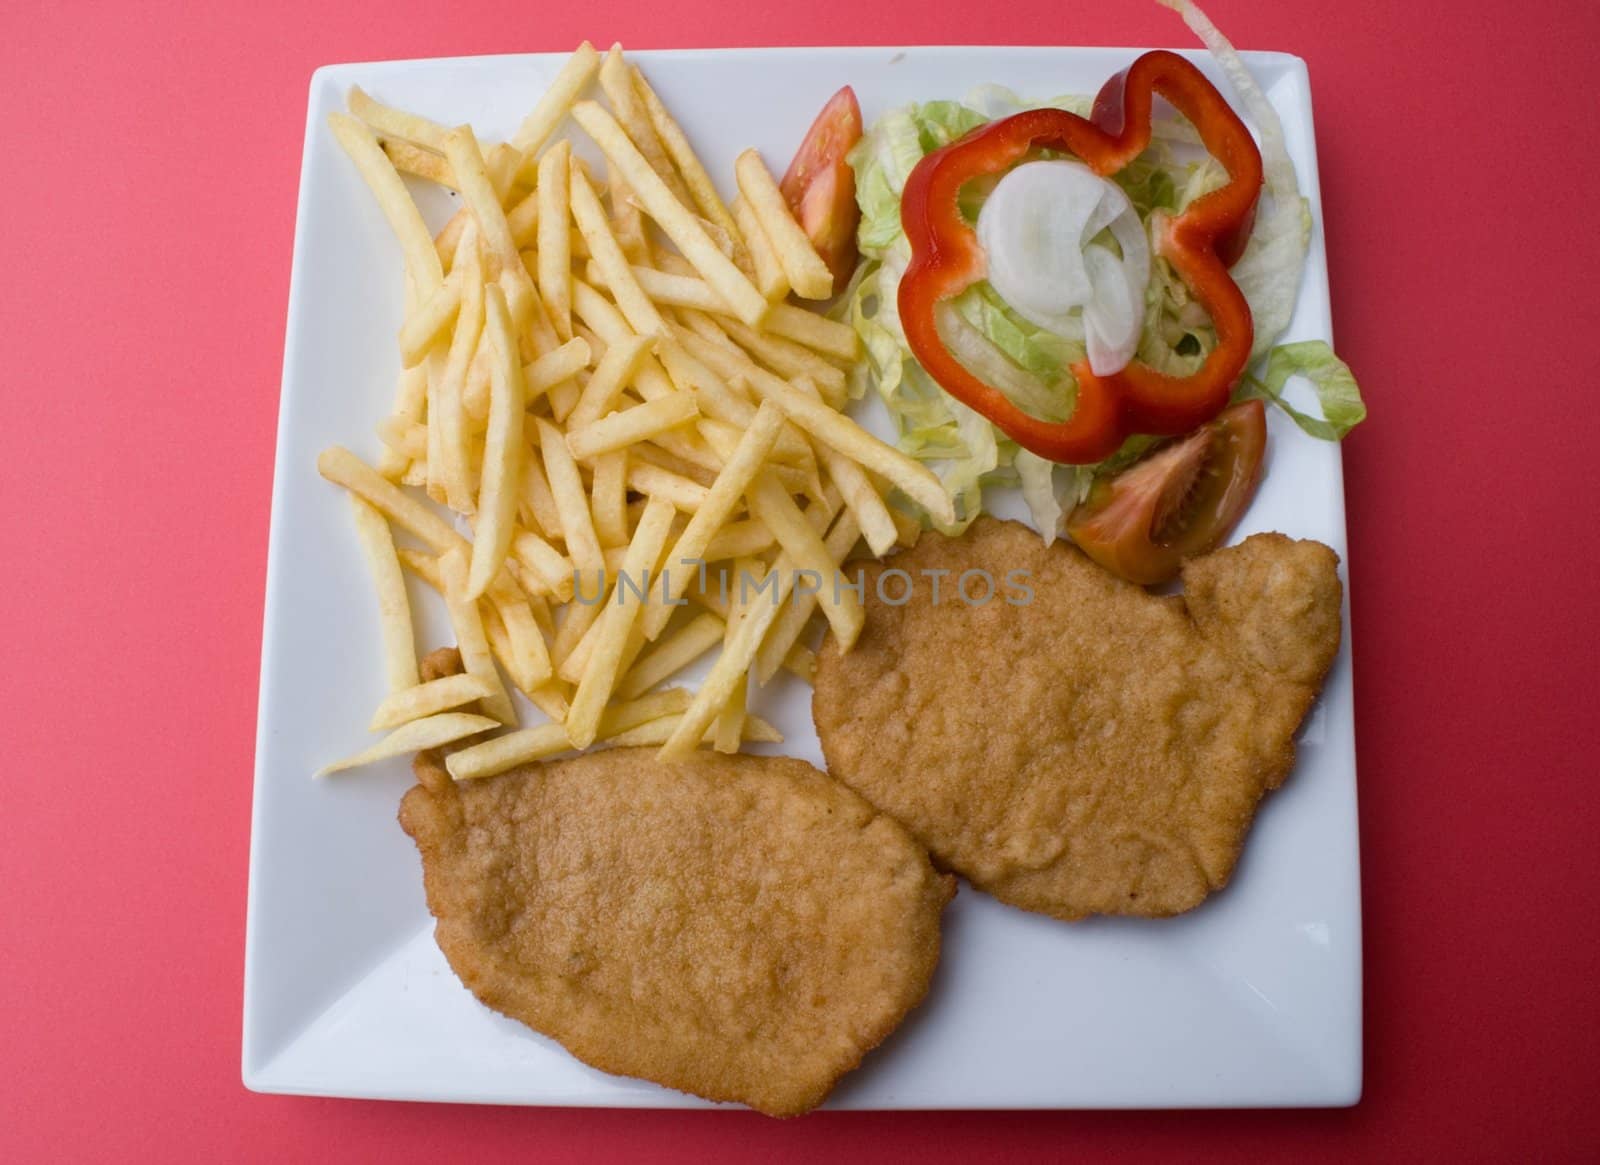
1179, 501
820, 187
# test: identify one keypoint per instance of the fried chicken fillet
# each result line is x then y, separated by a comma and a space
739, 927
1098, 750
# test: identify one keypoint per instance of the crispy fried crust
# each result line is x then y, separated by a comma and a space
739, 927
1099, 750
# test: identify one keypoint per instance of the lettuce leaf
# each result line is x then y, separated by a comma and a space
1269, 271
1330, 377
882, 160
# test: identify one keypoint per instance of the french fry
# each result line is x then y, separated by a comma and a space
792, 460
429, 732
608, 492
730, 404
630, 713
679, 225
701, 189
739, 540
667, 290
555, 252
416, 161
817, 332
784, 320
451, 455
550, 699
802, 266
577, 523
424, 565
538, 500
672, 654
799, 662
523, 221
661, 459
753, 728
545, 563
717, 398
792, 620
502, 163
343, 467
616, 81
731, 668
718, 506
528, 658
503, 446
685, 494
461, 147
600, 314
630, 426
686, 446
555, 367
410, 399
769, 277
394, 607
466, 620
538, 600
590, 216
563, 398
726, 731
406, 437
908, 529
771, 503
413, 703
591, 595
448, 241
789, 360
707, 328
861, 496
857, 492
576, 661
615, 371
556, 102
520, 650
550, 696
502, 753
713, 598
918, 482
626, 217
390, 122
599, 677
416, 243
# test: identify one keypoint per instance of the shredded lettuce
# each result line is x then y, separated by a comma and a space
1269, 271
1330, 378
1032, 365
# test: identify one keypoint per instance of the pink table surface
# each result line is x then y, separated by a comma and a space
153, 151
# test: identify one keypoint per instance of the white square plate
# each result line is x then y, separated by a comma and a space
1253, 999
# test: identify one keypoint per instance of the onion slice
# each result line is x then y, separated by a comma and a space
1038, 229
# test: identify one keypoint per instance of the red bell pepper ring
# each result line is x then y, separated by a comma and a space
1201, 244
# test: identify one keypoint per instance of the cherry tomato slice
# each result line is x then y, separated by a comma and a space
820, 187
1178, 502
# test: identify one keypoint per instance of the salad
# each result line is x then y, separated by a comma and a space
1085, 307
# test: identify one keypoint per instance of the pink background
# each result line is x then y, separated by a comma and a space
153, 155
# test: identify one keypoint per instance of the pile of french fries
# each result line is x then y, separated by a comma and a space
605, 383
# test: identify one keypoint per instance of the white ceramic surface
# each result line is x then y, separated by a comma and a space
1253, 999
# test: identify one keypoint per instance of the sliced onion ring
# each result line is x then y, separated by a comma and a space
1037, 229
